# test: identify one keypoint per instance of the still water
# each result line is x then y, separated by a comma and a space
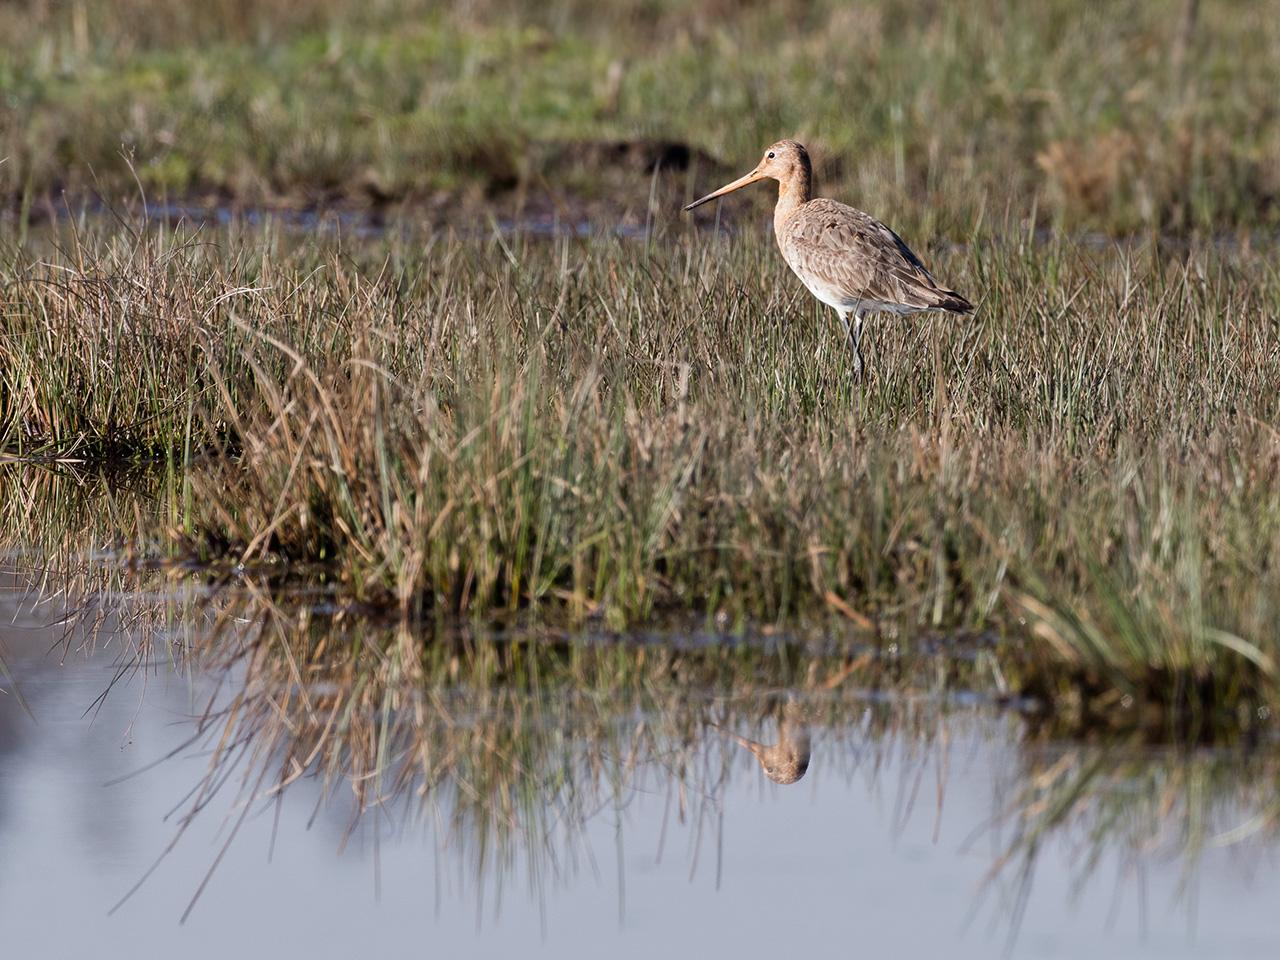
890, 843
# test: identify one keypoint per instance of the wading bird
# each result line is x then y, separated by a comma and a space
847, 259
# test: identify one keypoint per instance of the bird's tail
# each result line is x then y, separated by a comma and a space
951, 301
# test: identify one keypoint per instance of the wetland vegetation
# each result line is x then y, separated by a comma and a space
501, 493
1149, 115
518, 431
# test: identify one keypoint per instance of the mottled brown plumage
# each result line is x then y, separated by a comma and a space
846, 258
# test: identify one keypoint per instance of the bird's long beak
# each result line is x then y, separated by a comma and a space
738, 184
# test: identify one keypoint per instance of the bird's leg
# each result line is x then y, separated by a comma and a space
857, 342
854, 334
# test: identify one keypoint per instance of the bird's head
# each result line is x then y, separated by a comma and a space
782, 161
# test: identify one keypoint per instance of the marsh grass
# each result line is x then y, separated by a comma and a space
1112, 118
516, 431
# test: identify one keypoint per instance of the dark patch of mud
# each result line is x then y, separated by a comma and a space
641, 155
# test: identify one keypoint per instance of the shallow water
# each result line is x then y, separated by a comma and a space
366, 224
349, 223
885, 846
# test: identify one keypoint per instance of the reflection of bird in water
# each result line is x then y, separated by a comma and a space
787, 760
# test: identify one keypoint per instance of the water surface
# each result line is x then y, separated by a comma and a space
887, 844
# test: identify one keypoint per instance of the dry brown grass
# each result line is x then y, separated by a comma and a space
512, 430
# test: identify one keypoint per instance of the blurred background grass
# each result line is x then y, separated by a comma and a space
1103, 116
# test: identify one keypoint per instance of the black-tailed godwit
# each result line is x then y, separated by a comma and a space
846, 258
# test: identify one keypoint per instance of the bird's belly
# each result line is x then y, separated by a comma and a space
823, 291
840, 299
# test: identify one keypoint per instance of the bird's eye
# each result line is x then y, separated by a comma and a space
770, 157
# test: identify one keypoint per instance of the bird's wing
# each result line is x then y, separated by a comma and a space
848, 251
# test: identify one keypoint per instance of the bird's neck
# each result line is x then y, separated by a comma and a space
793, 192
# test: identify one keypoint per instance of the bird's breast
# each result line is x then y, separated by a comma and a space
821, 287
